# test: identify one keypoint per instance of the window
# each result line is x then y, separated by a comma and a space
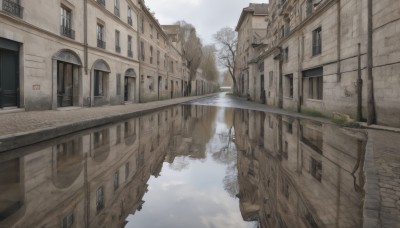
102, 2
66, 23
172, 66
151, 83
142, 50
118, 84
130, 16
290, 128
315, 89
151, 54
100, 36
130, 53
117, 46
282, 31
116, 8
142, 24
67, 221
271, 78
126, 170
316, 169
151, 31
316, 42
13, 7
289, 84
100, 83
158, 57
309, 7
285, 150
285, 55
118, 134
116, 180
99, 199
166, 84
313, 79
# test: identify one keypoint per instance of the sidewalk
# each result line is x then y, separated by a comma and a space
25, 128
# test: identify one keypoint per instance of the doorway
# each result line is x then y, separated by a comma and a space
9, 78
65, 84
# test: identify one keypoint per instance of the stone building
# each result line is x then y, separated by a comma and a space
322, 55
68, 53
251, 29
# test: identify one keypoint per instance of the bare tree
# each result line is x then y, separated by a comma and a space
209, 64
226, 39
191, 47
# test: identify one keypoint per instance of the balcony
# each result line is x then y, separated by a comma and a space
102, 2
13, 8
68, 32
116, 11
130, 54
101, 44
130, 21
118, 49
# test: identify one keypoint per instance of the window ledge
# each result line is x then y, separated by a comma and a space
315, 100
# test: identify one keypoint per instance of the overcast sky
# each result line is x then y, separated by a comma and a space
208, 16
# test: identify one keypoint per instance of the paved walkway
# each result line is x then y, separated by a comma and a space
24, 128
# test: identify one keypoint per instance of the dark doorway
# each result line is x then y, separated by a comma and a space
126, 89
9, 78
262, 89
172, 89
65, 84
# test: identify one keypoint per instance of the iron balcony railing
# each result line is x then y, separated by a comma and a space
130, 21
118, 49
130, 54
102, 2
101, 44
68, 32
116, 11
13, 8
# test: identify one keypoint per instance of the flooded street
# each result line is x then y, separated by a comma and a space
189, 166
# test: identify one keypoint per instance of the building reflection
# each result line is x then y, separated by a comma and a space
300, 174
98, 177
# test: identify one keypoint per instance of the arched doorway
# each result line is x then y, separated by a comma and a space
130, 85
67, 162
100, 76
66, 73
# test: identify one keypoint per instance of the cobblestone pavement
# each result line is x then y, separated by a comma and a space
386, 146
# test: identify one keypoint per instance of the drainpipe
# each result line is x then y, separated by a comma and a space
371, 118
359, 86
85, 34
280, 104
339, 41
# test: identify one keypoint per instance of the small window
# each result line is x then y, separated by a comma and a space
99, 199
316, 42
271, 79
116, 180
130, 52
130, 16
66, 23
126, 170
142, 50
285, 55
289, 84
117, 42
142, 24
316, 169
116, 8
158, 57
100, 36
290, 128
151, 54
119, 135
68, 221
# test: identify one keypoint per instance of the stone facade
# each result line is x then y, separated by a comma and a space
71, 53
315, 57
298, 173
97, 177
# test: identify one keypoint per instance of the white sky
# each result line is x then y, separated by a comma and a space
208, 16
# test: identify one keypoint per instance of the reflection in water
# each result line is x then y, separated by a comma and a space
211, 168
